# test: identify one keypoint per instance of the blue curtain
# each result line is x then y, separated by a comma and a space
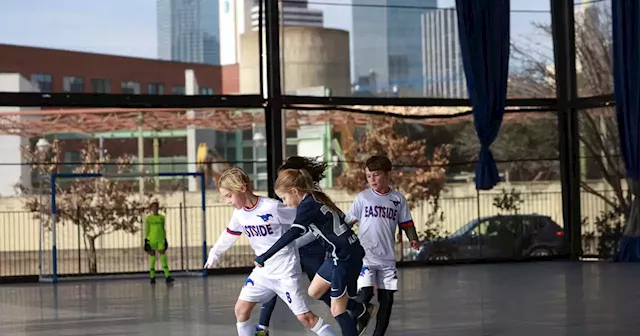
483, 28
626, 77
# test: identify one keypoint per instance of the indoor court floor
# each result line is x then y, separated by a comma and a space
512, 299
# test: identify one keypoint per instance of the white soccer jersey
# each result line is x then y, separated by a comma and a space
264, 224
379, 216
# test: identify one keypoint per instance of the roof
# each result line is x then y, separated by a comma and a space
35, 123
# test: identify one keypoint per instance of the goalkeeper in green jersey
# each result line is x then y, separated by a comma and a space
155, 242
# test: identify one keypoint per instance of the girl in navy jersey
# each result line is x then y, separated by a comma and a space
317, 213
312, 252
264, 221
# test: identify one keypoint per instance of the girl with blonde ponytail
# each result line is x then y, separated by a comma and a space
317, 213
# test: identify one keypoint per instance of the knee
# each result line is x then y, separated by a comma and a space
242, 311
309, 319
315, 293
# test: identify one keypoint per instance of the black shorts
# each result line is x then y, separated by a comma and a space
311, 264
342, 275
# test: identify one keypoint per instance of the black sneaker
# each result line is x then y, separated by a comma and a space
363, 320
169, 280
153, 281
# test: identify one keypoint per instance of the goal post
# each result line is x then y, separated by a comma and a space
54, 276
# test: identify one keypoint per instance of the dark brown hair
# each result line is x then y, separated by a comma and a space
313, 167
379, 163
301, 180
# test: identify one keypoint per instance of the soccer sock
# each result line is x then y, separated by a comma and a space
365, 294
385, 300
326, 298
165, 265
323, 329
347, 324
266, 311
245, 328
152, 266
356, 308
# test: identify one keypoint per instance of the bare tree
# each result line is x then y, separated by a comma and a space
598, 128
99, 206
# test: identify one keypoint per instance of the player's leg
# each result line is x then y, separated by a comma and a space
310, 266
292, 293
152, 262
387, 281
361, 311
366, 280
256, 289
265, 316
163, 259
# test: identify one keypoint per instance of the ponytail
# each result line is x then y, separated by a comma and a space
315, 168
302, 180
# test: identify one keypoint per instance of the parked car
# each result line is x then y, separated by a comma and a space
510, 236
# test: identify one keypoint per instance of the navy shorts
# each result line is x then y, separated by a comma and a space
311, 264
342, 275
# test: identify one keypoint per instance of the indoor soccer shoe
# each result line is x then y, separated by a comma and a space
363, 320
168, 280
153, 281
261, 332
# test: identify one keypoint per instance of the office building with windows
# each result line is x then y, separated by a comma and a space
442, 66
189, 31
28, 69
387, 45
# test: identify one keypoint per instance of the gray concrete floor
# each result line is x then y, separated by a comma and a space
552, 298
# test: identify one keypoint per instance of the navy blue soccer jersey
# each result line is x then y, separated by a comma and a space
339, 240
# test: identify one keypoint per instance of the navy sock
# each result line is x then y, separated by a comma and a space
266, 311
326, 298
347, 324
356, 308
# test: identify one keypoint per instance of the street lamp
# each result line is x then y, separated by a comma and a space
43, 146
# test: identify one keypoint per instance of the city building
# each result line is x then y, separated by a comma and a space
442, 67
240, 16
189, 31
29, 69
387, 46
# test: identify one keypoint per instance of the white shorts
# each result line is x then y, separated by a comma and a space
383, 277
260, 289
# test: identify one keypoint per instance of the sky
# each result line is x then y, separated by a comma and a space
128, 27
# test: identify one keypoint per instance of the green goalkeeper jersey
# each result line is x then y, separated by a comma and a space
154, 228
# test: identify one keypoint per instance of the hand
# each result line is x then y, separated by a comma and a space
211, 259
259, 262
415, 244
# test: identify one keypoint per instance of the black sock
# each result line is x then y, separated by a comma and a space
266, 311
347, 324
385, 300
365, 295
356, 308
326, 298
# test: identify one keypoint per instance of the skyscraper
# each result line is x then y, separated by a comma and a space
387, 44
189, 31
443, 70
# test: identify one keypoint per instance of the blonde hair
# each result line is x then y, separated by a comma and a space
233, 179
302, 180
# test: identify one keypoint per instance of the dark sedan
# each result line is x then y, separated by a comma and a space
510, 236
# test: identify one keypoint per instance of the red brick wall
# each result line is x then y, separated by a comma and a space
117, 69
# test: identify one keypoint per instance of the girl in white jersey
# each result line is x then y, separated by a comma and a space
264, 221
